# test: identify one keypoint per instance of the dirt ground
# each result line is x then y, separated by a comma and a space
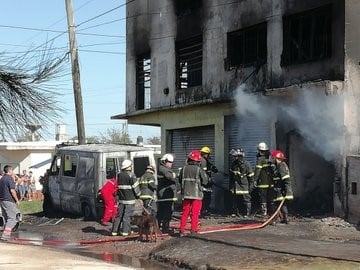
75, 230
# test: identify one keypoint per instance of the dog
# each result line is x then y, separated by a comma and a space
148, 226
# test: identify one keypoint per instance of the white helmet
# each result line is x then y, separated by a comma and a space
262, 147
126, 164
167, 158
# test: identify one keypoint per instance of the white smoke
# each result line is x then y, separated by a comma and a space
316, 116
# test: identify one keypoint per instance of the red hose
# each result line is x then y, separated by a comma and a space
237, 227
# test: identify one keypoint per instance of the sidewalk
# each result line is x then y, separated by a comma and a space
21, 257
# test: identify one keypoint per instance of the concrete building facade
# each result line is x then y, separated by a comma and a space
231, 74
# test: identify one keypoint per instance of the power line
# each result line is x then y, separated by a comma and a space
94, 51
104, 13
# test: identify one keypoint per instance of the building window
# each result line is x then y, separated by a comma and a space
143, 82
186, 7
307, 36
353, 188
189, 62
247, 46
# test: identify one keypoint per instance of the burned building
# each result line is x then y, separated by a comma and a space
229, 74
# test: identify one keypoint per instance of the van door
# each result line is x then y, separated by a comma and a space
54, 181
69, 198
140, 160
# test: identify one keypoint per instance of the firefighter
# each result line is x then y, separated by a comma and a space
241, 183
282, 183
209, 168
166, 192
192, 178
128, 191
148, 187
107, 193
264, 179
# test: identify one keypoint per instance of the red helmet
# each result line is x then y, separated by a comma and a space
277, 154
195, 155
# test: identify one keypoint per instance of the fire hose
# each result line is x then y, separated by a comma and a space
67, 243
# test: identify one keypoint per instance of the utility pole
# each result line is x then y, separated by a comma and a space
75, 73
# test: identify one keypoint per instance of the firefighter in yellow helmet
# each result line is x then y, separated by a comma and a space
209, 168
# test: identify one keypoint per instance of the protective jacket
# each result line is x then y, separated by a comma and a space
166, 190
209, 168
263, 172
241, 177
282, 183
192, 179
147, 186
128, 187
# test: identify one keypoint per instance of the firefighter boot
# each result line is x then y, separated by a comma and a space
248, 210
284, 212
166, 227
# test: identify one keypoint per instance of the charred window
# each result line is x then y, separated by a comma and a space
307, 36
189, 62
353, 188
185, 7
143, 82
247, 46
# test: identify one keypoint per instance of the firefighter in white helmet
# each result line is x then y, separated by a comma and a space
241, 183
166, 192
263, 178
128, 191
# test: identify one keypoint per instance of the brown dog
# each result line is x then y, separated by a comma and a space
148, 225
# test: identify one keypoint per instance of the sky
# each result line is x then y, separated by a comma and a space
100, 32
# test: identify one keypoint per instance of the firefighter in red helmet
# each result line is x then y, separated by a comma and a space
192, 178
282, 183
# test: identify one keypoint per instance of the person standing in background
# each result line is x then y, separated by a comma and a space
8, 202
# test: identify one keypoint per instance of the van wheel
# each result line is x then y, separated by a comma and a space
86, 211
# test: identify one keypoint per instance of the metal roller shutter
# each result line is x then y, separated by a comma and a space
246, 132
183, 141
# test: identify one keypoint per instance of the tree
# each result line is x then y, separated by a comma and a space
114, 135
28, 93
154, 140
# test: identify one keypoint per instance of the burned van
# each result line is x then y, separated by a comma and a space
78, 172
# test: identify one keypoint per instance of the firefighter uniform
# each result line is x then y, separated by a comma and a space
192, 179
127, 192
264, 182
148, 187
282, 184
166, 193
241, 180
209, 168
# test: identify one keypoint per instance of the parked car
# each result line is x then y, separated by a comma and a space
78, 172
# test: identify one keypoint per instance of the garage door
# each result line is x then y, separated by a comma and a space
246, 132
183, 141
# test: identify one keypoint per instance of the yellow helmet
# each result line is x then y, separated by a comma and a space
206, 150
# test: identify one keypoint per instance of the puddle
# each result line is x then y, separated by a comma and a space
37, 239
124, 260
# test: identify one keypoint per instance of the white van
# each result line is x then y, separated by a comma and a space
78, 172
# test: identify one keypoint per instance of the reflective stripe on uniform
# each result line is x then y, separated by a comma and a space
146, 196
262, 166
264, 186
287, 197
167, 200
250, 174
285, 176
127, 202
240, 192
124, 187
